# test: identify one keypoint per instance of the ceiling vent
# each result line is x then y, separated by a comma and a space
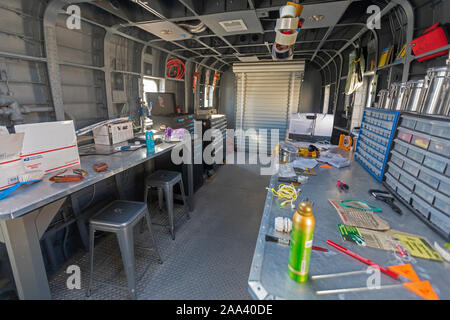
166, 30
248, 58
233, 25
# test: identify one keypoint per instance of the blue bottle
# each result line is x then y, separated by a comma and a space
149, 141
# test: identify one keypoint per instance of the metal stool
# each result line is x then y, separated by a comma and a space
120, 217
165, 181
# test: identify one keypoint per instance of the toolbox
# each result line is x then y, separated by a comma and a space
433, 38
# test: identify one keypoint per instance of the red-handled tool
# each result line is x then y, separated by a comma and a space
366, 261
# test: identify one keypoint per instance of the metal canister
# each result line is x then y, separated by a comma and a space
301, 242
416, 93
399, 95
437, 95
383, 98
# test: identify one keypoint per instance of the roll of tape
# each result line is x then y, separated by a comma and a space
347, 142
288, 11
299, 8
282, 52
286, 39
286, 23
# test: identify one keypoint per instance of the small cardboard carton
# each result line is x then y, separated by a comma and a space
11, 164
49, 146
113, 133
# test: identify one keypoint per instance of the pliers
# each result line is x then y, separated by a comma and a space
386, 197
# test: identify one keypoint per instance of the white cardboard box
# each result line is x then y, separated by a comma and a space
11, 164
322, 124
49, 146
113, 133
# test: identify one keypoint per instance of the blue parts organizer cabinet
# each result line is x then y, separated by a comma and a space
375, 139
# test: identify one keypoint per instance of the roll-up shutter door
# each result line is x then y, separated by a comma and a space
265, 100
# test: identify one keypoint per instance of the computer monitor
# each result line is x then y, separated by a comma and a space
163, 103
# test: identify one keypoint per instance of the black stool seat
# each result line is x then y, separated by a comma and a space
163, 178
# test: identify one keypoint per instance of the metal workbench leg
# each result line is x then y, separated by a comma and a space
118, 180
82, 227
190, 173
21, 237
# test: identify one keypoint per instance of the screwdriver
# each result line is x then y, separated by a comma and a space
365, 260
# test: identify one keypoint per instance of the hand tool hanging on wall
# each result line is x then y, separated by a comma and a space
357, 62
216, 79
195, 80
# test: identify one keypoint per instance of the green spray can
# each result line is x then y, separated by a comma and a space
301, 242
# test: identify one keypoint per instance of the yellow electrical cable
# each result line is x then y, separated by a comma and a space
286, 192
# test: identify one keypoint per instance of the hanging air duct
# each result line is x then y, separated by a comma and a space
193, 28
13, 109
9, 106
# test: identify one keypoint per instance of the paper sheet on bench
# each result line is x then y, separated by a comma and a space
359, 218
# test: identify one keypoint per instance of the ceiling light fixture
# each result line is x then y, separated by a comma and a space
316, 17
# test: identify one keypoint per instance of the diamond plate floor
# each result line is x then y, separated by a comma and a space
209, 259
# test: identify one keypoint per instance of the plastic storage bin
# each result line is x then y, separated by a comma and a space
442, 202
393, 171
440, 219
420, 141
434, 163
420, 205
408, 123
405, 136
390, 181
440, 129
423, 126
444, 188
411, 168
396, 160
425, 192
415, 155
440, 147
429, 179
403, 192
400, 148
407, 180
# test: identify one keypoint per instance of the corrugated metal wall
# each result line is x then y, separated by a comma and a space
21, 33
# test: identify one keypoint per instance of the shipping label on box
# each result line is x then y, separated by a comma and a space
113, 133
49, 146
11, 164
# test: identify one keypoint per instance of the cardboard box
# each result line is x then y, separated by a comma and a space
113, 133
49, 146
11, 164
